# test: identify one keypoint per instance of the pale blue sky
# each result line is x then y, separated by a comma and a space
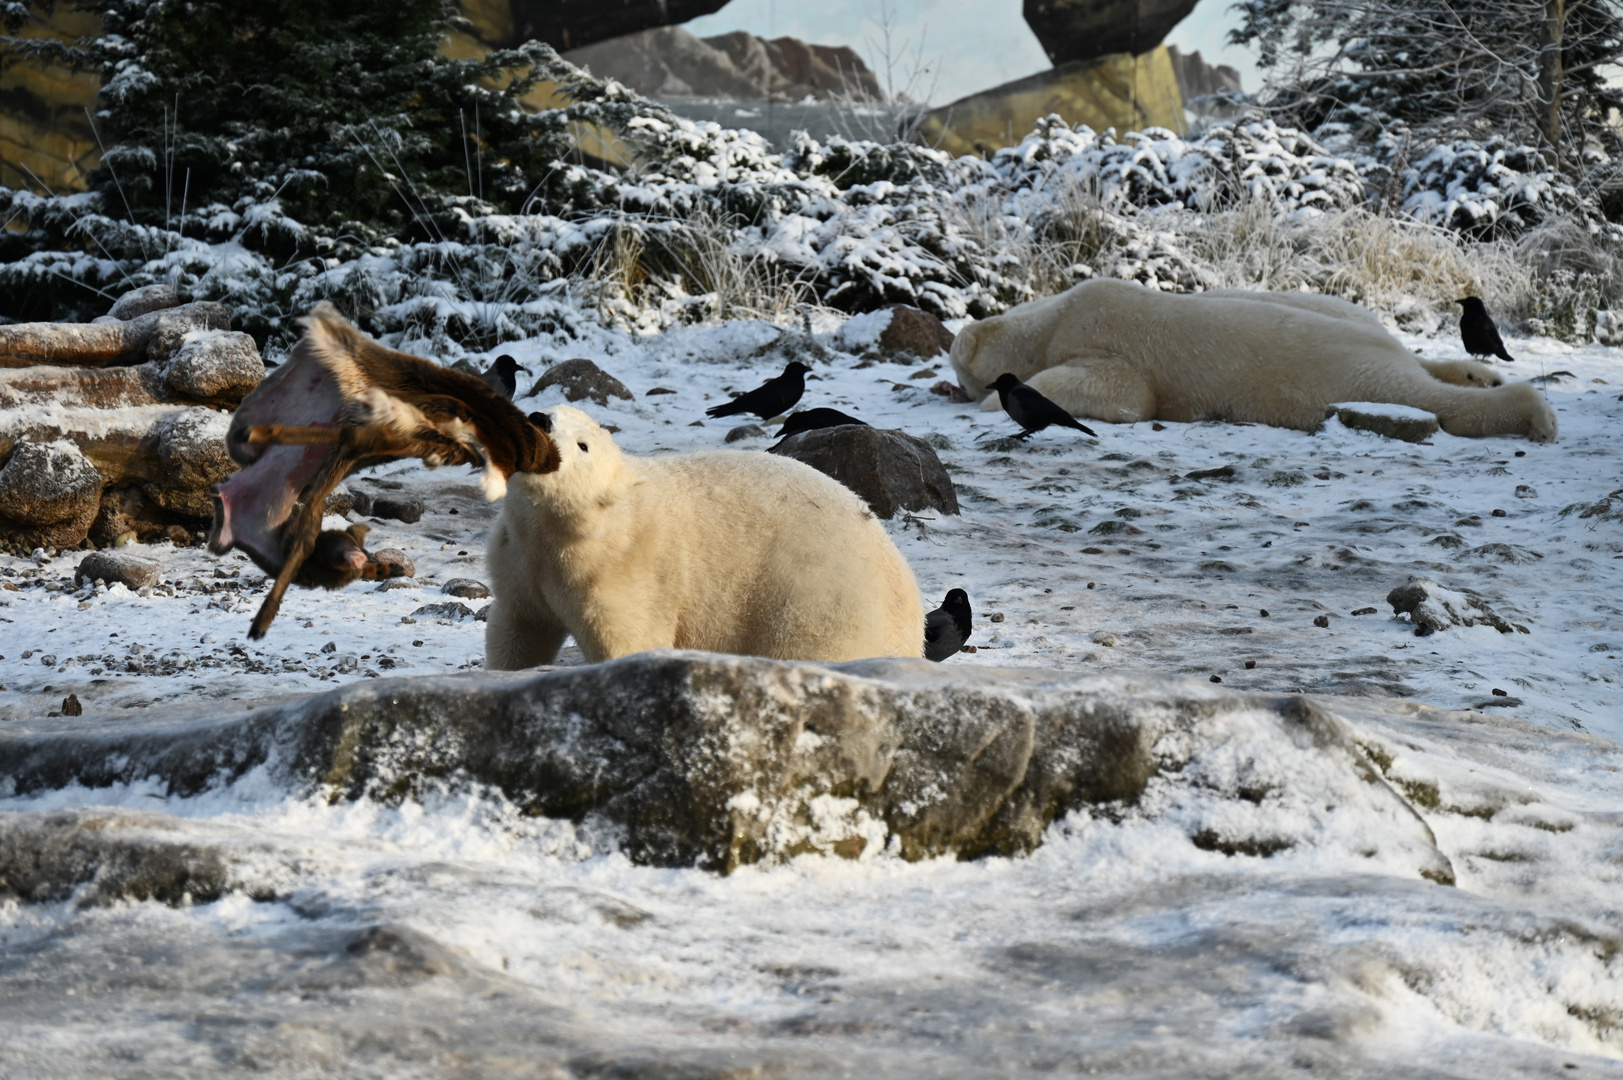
968, 45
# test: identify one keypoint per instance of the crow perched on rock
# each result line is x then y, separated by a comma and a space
503, 375
1477, 331
947, 627
772, 398
813, 419
1030, 409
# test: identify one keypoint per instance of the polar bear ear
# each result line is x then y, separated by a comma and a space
542, 421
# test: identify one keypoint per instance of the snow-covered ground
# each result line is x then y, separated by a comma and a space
1117, 948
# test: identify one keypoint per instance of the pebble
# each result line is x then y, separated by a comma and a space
1105, 638
1523, 491
1322, 621
996, 616
1249, 664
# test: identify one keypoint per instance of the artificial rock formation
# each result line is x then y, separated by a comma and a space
133, 401
720, 761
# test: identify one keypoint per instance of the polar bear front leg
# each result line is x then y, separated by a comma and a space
516, 639
1098, 389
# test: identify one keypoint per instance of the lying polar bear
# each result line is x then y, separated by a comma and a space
1117, 351
725, 551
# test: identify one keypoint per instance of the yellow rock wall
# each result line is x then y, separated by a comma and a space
1121, 91
43, 127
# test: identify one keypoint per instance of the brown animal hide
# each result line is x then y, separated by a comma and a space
343, 401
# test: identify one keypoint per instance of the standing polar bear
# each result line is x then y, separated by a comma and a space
725, 551
1120, 352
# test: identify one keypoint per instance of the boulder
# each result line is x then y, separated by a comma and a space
397, 507
892, 470
144, 301
171, 328
1390, 421
915, 333
444, 611
1431, 608
49, 495
721, 761
215, 366
127, 514
191, 457
466, 588
132, 571
581, 380
392, 563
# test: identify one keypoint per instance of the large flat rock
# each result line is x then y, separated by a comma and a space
720, 761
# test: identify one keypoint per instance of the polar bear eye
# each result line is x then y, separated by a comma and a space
584, 448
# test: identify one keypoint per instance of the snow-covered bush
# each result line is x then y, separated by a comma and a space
710, 223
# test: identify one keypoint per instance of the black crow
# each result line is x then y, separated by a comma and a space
503, 375
1477, 331
771, 398
1030, 409
947, 627
813, 419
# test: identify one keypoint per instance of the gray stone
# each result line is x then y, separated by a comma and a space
398, 583
466, 588
1431, 607
144, 301
392, 563
892, 470
447, 610
1526, 491
722, 761
581, 380
361, 501
215, 366
1407, 428
407, 508
171, 327
745, 431
133, 571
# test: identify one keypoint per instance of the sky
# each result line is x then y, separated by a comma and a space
945, 49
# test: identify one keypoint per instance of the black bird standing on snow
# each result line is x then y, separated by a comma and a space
503, 375
947, 627
772, 398
1030, 409
815, 419
1477, 331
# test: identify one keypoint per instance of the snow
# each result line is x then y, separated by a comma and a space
1118, 947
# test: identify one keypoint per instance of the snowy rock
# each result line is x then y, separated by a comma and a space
134, 571
466, 588
171, 327
1390, 421
397, 507
144, 301
448, 611
340, 501
215, 367
44, 483
722, 761
915, 333
1431, 608
892, 470
581, 380
100, 857
191, 456
744, 431
393, 563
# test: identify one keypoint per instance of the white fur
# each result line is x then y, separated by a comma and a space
727, 551
1117, 351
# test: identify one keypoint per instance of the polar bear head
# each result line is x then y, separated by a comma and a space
592, 472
